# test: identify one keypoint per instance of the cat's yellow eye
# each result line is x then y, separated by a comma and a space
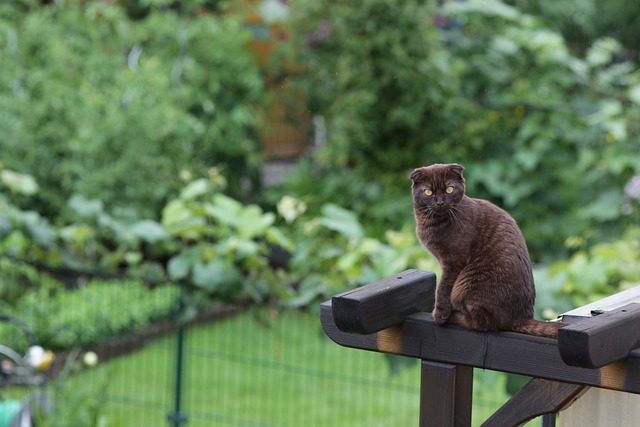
449, 190
428, 192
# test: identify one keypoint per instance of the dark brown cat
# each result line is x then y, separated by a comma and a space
486, 282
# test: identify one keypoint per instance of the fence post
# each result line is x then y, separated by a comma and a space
177, 418
445, 395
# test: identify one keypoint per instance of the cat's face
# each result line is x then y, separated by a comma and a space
437, 188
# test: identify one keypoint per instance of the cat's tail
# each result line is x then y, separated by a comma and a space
539, 328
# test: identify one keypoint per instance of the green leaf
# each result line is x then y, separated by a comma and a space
485, 7
605, 208
84, 207
341, 220
225, 210
278, 237
215, 276
634, 94
39, 229
179, 220
253, 223
180, 265
149, 231
5, 226
196, 188
18, 182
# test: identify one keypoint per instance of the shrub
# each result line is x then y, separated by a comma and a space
101, 105
63, 319
543, 132
599, 271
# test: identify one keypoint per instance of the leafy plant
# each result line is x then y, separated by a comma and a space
544, 132
64, 318
586, 20
115, 109
377, 73
333, 254
223, 245
606, 268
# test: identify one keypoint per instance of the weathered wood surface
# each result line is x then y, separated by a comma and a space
385, 303
420, 337
609, 303
446, 395
600, 340
603, 408
537, 398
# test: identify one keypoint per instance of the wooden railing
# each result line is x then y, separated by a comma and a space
394, 316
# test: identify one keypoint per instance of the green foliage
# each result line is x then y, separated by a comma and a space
379, 206
222, 246
97, 104
332, 253
63, 319
561, 142
545, 133
604, 269
377, 72
17, 279
582, 21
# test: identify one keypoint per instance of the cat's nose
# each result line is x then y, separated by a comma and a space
439, 202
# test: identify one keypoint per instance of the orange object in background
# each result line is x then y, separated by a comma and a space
285, 133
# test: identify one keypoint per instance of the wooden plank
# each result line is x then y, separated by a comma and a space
598, 341
606, 304
537, 398
446, 394
603, 408
385, 303
420, 337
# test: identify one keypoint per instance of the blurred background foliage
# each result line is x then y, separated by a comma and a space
113, 108
132, 145
131, 139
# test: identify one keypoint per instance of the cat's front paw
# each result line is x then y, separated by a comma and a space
441, 314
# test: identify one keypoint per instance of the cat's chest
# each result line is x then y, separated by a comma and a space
445, 239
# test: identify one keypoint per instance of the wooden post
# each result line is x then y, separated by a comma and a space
445, 395
597, 341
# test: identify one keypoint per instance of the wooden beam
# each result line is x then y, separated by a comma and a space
606, 304
600, 340
537, 398
446, 394
385, 303
420, 337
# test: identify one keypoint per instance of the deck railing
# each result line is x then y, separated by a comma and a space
393, 316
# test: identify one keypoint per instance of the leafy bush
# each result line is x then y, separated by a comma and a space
585, 20
63, 319
377, 72
544, 133
115, 109
222, 247
378, 206
333, 253
597, 272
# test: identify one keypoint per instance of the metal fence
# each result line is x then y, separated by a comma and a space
257, 367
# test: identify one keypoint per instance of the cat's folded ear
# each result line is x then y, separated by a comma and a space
415, 174
456, 168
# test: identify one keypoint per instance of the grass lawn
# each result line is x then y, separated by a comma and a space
267, 369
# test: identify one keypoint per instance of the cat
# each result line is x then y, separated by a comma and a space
486, 282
